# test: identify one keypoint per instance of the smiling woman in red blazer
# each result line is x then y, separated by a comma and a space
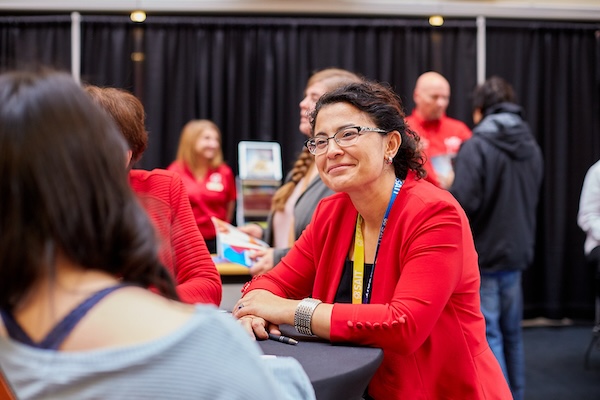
388, 261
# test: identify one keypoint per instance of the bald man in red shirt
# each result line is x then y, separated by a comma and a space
441, 136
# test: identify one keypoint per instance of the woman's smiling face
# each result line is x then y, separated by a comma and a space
355, 167
207, 144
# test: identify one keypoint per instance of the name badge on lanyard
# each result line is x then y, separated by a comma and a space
358, 266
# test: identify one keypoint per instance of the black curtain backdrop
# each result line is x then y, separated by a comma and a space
247, 73
108, 51
553, 67
35, 41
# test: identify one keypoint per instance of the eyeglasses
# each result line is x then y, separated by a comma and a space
346, 136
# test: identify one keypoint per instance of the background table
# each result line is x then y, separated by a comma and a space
228, 268
335, 371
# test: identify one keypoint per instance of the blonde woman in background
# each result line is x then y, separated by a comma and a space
294, 202
210, 182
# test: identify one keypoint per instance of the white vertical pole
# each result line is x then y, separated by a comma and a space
481, 49
76, 46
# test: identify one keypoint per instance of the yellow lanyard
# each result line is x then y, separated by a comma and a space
358, 268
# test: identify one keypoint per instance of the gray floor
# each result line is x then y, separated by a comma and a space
554, 362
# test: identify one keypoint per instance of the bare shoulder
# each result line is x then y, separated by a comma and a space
128, 316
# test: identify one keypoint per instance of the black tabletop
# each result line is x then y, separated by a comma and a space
335, 371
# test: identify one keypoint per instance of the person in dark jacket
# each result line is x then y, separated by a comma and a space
498, 175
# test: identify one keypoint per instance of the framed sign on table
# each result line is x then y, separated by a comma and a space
260, 175
259, 160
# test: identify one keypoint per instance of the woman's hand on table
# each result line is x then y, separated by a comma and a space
257, 327
260, 312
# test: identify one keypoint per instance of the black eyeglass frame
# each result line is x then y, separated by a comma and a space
361, 130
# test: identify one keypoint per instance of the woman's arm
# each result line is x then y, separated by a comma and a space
197, 278
274, 311
230, 210
231, 192
277, 294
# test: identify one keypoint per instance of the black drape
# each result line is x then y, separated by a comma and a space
554, 69
247, 73
35, 41
107, 51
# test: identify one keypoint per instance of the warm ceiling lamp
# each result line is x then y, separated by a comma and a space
138, 16
436, 20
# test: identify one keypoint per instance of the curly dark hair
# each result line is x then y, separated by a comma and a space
384, 107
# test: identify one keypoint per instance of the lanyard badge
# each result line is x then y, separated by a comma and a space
358, 266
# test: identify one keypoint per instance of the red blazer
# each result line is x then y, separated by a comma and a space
183, 250
426, 272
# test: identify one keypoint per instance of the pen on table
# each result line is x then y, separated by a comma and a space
282, 339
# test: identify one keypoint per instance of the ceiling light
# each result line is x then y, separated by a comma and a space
138, 16
436, 20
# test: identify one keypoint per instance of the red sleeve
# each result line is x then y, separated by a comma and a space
293, 277
198, 280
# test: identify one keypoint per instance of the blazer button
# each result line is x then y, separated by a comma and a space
359, 325
376, 325
350, 324
385, 325
369, 325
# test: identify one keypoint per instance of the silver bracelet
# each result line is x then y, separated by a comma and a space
303, 315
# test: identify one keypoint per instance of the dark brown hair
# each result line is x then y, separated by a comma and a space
384, 107
64, 189
494, 90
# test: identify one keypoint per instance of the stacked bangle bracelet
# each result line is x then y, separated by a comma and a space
303, 315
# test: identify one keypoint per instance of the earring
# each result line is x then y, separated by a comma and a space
389, 160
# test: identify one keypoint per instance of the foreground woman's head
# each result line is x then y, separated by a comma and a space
64, 189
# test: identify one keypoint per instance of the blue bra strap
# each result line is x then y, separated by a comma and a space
14, 330
59, 333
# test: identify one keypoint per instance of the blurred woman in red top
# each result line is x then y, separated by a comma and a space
163, 195
209, 181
